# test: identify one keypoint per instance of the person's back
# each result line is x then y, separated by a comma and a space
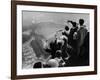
82, 32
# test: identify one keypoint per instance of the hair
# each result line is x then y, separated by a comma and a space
66, 28
74, 24
81, 21
37, 65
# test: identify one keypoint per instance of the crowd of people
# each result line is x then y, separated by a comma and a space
69, 49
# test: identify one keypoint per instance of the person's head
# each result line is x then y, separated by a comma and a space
81, 21
74, 24
59, 44
53, 63
66, 28
58, 53
37, 65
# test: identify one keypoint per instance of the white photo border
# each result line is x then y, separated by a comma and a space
21, 71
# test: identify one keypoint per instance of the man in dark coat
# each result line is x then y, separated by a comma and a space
81, 33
